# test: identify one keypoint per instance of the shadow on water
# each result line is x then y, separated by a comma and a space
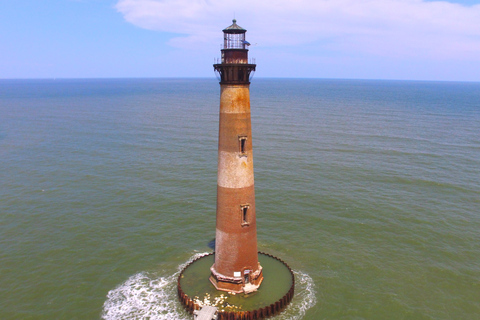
211, 244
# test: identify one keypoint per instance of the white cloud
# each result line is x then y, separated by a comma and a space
393, 28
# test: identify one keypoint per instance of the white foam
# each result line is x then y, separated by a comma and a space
141, 297
304, 298
146, 296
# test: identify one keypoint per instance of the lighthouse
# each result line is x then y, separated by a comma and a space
235, 264
236, 267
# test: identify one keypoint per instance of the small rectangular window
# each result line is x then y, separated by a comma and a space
242, 140
244, 209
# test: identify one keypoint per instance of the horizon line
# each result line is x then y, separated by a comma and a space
214, 78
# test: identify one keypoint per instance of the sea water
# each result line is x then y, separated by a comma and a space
369, 190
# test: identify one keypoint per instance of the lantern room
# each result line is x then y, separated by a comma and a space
234, 66
234, 37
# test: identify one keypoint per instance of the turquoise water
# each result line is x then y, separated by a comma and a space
369, 190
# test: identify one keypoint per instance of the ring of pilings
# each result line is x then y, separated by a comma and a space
262, 313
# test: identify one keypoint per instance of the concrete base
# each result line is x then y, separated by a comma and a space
249, 288
236, 284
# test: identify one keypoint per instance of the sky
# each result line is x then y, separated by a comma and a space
347, 39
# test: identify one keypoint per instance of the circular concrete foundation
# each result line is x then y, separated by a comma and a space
277, 289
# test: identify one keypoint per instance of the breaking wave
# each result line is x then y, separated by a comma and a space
148, 296
304, 298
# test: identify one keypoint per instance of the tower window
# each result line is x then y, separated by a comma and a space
242, 141
245, 208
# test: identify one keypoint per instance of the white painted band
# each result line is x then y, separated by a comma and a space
234, 171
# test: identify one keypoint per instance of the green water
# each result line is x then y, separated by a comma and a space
277, 282
369, 190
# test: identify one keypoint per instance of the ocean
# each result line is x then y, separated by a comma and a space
369, 190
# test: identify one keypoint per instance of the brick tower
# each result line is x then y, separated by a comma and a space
236, 268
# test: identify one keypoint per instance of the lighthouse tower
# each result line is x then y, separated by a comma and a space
236, 268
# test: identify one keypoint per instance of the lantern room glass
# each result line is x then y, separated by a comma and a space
234, 41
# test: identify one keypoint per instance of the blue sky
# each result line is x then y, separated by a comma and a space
360, 39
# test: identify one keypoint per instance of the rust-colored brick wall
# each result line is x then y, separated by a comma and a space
236, 229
